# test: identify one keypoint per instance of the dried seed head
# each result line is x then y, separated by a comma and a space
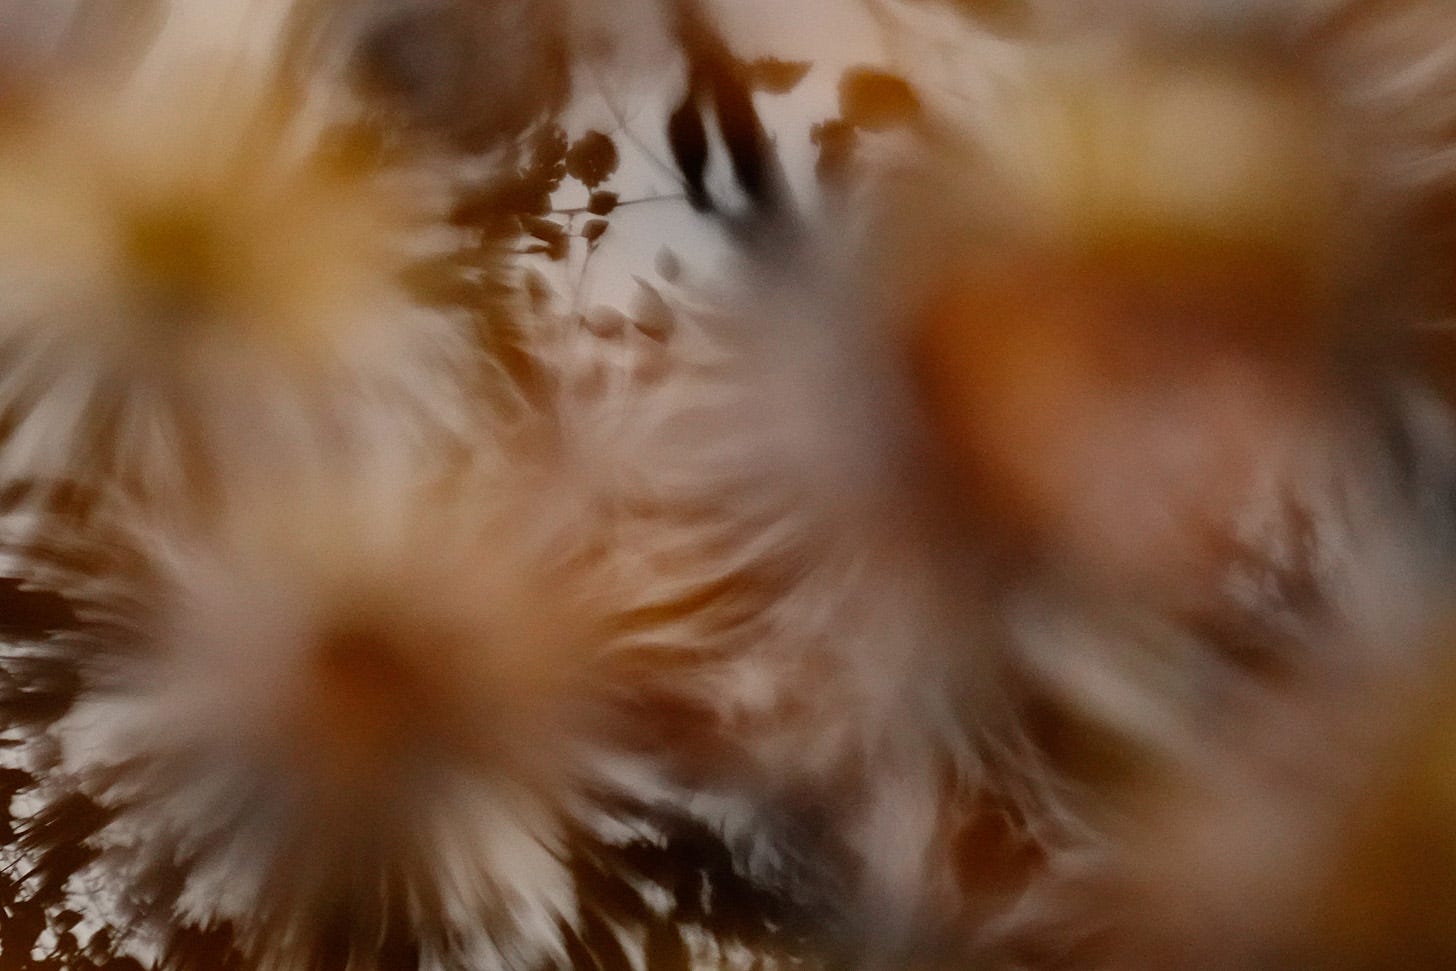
194, 268
338, 720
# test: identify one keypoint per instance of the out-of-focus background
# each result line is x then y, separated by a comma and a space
866, 484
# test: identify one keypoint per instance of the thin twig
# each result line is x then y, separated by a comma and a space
668, 197
625, 128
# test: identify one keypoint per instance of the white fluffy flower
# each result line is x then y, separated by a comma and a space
340, 726
200, 272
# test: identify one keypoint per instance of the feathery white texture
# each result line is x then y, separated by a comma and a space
346, 711
786, 556
194, 273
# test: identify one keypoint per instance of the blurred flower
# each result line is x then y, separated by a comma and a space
198, 272
1143, 315
1024, 563
339, 728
